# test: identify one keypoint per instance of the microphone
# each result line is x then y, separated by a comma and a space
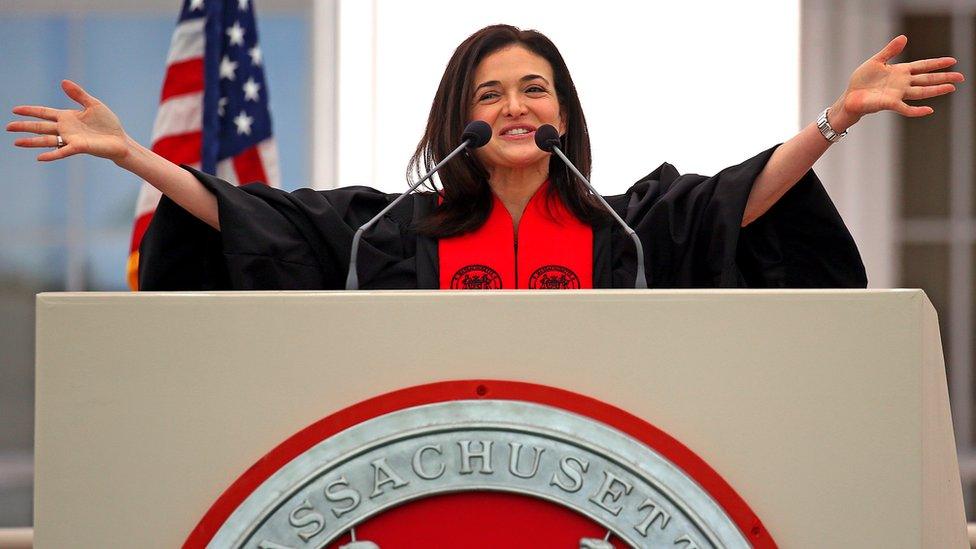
547, 139
476, 134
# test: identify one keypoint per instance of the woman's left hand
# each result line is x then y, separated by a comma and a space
877, 86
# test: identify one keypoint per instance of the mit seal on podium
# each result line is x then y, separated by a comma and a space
328, 368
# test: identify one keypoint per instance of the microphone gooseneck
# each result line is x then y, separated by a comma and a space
476, 134
547, 139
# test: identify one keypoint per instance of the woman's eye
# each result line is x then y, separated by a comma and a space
488, 95
535, 89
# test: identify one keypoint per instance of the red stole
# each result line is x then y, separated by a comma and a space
554, 250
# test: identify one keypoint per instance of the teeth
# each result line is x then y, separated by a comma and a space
517, 131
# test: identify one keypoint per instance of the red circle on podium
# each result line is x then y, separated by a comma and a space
481, 519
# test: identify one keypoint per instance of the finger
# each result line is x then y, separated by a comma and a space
47, 113
78, 94
57, 154
911, 111
929, 91
932, 78
929, 65
893, 48
33, 126
42, 141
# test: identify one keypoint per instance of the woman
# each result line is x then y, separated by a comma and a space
509, 214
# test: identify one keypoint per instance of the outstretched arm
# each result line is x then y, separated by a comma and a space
95, 130
875, 86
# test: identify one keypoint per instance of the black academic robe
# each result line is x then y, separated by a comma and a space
689, 226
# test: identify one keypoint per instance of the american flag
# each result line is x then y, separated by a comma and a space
213, 110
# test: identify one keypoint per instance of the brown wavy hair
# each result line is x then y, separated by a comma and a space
467, 198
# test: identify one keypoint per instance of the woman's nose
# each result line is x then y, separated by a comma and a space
514, 106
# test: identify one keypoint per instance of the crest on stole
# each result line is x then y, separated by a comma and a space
475, 463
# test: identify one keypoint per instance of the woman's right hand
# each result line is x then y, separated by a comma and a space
94, 130
97, 131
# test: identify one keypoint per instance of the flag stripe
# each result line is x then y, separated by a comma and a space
179, 115
180, 149
226, 171
148, 199
248, 167
139, 229
187, 42
268, 150
183, 77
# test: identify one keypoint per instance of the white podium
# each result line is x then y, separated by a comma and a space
826, 411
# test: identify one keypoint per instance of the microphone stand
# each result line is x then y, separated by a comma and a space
352, 278
641, 282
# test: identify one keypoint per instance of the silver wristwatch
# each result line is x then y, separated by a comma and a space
825, 129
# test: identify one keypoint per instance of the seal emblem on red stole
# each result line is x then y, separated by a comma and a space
476, 277
478, 464
553, 277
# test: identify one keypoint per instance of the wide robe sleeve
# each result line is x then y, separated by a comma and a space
276, 240
690, 226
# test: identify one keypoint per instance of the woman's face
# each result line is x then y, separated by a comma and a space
514, 93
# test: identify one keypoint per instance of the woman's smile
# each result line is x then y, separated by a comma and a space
517, 132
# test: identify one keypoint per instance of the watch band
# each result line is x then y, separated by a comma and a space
825, 129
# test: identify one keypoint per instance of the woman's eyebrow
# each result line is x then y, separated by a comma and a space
525, 78
528, 77
487, 84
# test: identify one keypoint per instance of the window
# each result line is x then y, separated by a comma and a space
937, 219
67, 225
